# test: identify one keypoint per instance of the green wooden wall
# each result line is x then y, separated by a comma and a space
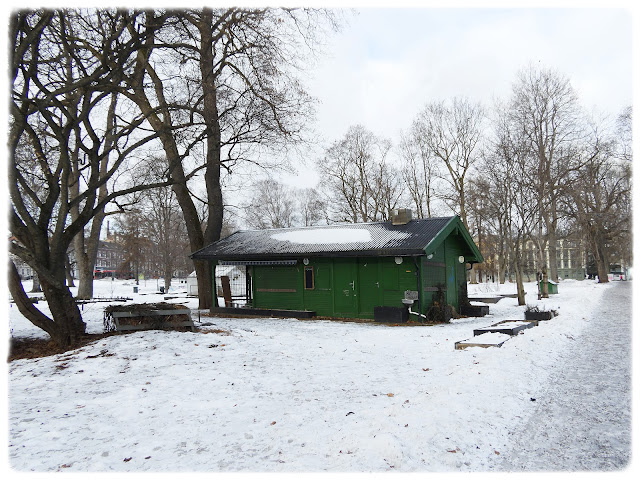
352, 287
342, 287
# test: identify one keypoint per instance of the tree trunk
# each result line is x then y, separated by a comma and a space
213, 153
517, 266
553, 255
36, 288
68, 273
167, 277
602, 264
68, 326
502, 268
85, 280
24, 304
205, 285
545, 282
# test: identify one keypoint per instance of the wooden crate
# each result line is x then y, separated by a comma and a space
145, 318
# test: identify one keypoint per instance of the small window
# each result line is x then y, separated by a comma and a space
308, 278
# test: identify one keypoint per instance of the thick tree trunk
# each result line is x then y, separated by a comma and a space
69, 324
67, 327
603, 272
213, 153
601, 263
205, 285
85, 280
167, 277
24, 304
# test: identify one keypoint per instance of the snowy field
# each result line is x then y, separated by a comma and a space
284, 395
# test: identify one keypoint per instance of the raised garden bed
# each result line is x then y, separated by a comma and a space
538, 315
147, 316
474, 310
485, 340
509, 327
486, 299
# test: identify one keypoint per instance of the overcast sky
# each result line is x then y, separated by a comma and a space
386, 63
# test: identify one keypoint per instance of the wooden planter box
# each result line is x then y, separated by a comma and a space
538, 315
510, 327
474, 310
479, 341
147, 317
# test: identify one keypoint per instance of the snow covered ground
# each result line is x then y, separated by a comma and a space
284, 395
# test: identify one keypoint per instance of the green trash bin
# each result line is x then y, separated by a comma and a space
553, 287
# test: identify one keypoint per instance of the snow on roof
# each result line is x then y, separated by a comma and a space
373, 239
324, 236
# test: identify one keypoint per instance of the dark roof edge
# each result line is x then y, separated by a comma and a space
343, 254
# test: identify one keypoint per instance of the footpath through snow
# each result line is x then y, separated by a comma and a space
582, 419
267, 395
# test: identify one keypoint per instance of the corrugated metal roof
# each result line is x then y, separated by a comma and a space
361, 239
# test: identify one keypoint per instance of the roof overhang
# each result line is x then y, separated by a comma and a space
455, 225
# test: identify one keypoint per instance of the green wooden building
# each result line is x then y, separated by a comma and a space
347, 270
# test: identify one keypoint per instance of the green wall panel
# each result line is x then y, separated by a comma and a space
278, 286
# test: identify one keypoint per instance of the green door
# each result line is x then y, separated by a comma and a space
370, 293
344, 284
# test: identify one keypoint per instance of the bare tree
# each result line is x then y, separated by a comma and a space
240, 94
272, 206
360, 183
451, 133
312, 209
545, 107
164, 226
624, 133
64, 66
599, 202
419, 170
512, 200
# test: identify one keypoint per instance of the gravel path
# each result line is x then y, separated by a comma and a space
583, 419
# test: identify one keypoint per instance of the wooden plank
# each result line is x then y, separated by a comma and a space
122, 328
150, 313
477, 342
226, 290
